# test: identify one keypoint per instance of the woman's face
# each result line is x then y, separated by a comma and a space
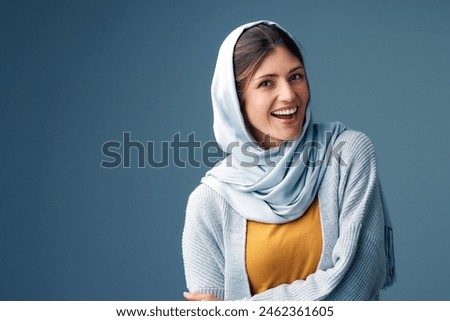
275, 99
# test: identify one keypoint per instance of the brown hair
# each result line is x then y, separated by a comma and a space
251, 48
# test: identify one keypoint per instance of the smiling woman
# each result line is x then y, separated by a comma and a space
271, 84
309, 226
276, 97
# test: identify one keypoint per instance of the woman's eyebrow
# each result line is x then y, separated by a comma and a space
274, 75
296, 68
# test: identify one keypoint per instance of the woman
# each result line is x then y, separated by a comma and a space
294, 212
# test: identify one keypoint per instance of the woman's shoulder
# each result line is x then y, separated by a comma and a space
204, 194
353, 145
347, 142
354, 137
205, 202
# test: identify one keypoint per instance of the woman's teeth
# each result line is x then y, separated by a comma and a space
285, 112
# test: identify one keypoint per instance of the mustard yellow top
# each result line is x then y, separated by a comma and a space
283, 253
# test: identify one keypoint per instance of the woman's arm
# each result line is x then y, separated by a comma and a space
202, 246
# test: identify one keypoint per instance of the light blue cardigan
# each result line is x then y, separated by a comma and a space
354, 264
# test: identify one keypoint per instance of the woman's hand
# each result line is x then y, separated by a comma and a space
199, 297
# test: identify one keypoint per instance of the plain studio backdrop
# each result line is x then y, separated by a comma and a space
75, 75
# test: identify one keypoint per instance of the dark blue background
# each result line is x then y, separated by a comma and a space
76, 74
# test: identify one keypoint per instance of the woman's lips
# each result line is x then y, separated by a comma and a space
285, 113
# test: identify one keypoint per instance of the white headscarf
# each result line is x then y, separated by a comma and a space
275, 185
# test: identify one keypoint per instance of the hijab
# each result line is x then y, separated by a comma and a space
276, 185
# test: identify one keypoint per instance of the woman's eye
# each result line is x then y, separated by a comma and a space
265, 83
296, 77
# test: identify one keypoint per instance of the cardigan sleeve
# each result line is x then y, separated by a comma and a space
358, 259
202, 245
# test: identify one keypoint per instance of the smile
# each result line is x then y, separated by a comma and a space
285, 113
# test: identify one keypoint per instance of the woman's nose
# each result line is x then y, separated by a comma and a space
286, 92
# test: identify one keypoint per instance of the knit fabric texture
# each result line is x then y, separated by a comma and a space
354, 264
